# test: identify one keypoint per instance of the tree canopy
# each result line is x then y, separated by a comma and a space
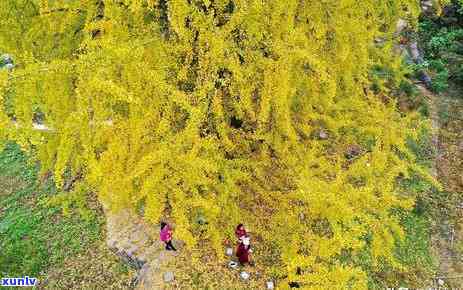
260, 112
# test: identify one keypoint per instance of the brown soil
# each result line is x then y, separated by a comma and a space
447, 122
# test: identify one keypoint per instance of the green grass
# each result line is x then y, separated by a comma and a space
414, 249
37, 240
34, 235
422, 148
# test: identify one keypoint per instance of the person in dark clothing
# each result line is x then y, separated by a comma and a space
240, 232
166, 236
243, 250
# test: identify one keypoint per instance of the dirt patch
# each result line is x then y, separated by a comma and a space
447, 122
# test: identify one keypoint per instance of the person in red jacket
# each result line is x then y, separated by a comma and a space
243, 250
240, 232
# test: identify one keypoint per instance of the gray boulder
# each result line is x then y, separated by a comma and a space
6, 58
6, 61
168, 277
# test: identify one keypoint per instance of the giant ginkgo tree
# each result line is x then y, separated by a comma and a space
233, 110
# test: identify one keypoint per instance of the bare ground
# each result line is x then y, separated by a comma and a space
447, 239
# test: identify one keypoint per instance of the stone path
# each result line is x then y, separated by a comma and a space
137, 243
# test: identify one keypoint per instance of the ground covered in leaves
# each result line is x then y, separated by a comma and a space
449, 165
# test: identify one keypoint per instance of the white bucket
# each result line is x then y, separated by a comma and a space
244, 275
270, 285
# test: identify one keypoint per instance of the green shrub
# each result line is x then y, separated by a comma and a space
440, 81
443, 49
